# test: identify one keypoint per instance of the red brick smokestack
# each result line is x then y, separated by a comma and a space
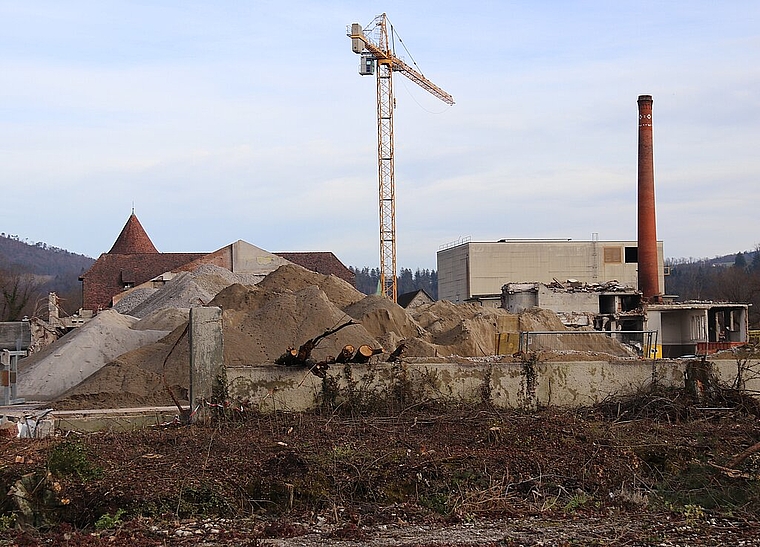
649, 283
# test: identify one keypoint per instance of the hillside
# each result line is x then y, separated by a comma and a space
40, 258
34, 269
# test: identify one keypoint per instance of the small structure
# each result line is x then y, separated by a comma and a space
15, 339
698, 328
414, 299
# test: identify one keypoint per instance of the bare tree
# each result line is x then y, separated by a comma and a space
17, 292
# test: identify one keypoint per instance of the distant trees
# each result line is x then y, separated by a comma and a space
367, 280
18, 295
29, 271
708, 280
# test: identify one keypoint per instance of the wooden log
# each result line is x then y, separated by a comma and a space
289, 358
345, 354
320, 369
364, 352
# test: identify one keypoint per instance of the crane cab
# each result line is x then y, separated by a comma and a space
367, 64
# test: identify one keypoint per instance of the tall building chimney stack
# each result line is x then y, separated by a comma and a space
647, 226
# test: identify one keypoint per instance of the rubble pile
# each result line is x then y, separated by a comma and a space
263, 321
573, 285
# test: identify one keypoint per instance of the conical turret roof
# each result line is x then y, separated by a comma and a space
133, 239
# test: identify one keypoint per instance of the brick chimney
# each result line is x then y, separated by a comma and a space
649, 283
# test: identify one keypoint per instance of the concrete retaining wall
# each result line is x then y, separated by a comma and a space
511, 385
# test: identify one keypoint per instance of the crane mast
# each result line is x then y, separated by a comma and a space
378, 57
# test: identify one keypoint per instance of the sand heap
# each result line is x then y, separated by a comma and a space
287, 308
185, 290
47, 374
537, 319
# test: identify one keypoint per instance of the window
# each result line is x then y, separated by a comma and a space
631, 255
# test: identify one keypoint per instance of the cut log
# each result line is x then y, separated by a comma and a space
302, 357
364, 352
345, 354
320, 369
289, 358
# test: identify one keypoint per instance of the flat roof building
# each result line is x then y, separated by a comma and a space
477, 271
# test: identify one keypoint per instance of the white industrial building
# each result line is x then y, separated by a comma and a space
471, 271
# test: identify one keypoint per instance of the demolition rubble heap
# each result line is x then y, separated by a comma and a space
260, 322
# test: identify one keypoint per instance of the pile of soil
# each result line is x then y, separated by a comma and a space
284, 310
427, 477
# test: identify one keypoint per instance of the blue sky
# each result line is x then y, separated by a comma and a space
248, 120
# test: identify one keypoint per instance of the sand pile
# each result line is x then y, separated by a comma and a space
294, 278
536, 319
137, 378
465, 330
185, 290
284, 310
166, 319
260, 323
274, 321
76, 356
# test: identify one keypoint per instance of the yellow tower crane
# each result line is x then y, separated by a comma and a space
375, 46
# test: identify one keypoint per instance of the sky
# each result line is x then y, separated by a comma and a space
227, 120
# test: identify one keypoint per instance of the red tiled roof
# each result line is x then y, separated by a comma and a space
133, 239
111, 272
323, 262
133, 260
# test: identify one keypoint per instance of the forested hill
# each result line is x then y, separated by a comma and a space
29, 271
40, 258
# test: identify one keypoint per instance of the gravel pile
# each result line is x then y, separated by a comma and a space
185, 290
72, 359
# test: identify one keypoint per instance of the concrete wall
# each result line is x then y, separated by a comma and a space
206, 354
479, 268
560, 301
453, 274
512, 385
15, 335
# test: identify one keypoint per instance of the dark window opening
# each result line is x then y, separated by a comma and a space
631, 255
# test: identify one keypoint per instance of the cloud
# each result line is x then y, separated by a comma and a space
249, 121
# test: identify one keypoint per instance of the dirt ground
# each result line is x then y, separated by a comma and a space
654, 469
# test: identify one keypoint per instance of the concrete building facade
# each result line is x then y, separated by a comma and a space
477, 271
698, 328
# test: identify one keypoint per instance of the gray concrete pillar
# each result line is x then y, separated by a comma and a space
206, 357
